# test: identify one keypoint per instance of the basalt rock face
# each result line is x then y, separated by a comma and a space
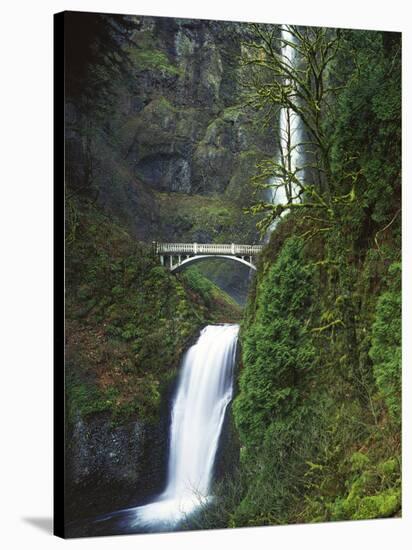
177, 125
186, 130
110, 467
98, 450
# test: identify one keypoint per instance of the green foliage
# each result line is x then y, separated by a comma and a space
386, 350
128, 319
316, 445
215, 217
366, 132
358, 461
321, 337
199, 284
373, 490
86, 398
203, 286
274, 473
276, 347
383, 505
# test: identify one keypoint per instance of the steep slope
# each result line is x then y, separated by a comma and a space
128, 322
320, 442
318, 410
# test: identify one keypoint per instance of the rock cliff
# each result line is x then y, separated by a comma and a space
177, 128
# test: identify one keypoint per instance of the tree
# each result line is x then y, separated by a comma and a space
292, 74
296, 87
96, 59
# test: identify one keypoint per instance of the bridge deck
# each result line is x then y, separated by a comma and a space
215, 249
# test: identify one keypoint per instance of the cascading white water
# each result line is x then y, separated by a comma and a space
290, 152
203, 393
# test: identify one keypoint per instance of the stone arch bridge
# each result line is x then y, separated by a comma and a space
176, 256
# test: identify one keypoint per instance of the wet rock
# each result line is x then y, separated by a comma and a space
110, 467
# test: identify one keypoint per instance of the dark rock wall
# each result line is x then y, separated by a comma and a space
111, 467
175, 123
189, 132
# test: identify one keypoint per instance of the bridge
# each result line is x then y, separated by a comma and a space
176, 256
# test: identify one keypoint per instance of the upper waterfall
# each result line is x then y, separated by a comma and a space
290, 154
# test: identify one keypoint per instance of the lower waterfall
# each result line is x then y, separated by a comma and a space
204, 390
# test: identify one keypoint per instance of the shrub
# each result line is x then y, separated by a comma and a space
385, 351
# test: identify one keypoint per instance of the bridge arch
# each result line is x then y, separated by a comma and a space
175, 256
194, 259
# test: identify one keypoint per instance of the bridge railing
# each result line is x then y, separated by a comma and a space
213, 248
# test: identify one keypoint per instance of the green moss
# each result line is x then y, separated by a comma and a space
210, 293
152, 126
85, 398
215, 216
359, 461
148, 57
388, 469
128, 320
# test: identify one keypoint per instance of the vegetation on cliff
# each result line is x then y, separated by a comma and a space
128, 320
319, 442
318, 409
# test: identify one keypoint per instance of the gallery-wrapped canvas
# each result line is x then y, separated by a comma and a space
231, 348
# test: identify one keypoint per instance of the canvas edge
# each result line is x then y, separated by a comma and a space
58, 279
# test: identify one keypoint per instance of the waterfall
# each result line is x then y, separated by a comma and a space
204, 390
290, 152
203, 393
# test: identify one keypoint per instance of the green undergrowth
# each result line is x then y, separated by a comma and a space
211, 294
128, 320
319, 403
373, 489
319, 442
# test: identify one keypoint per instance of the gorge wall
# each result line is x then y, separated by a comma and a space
173, 154
128, 323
